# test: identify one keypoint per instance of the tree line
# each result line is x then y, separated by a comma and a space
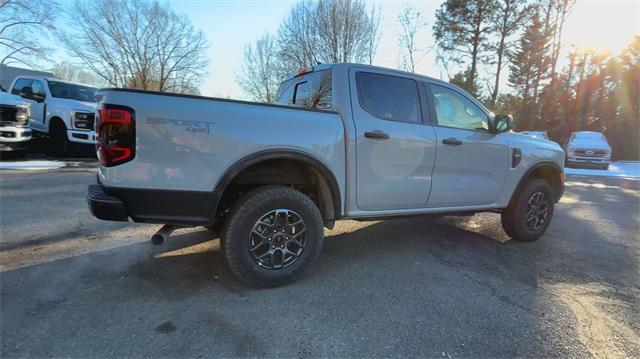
594, 91
480, 39
328, 31
140, 44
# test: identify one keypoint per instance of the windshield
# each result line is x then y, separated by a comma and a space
537, 134
71, 91
589, 135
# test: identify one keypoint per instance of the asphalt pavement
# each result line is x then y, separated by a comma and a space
74, 286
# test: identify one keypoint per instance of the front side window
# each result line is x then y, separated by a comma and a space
72, 91
455, 110
20, 84
37, 87
390, 98
312, 90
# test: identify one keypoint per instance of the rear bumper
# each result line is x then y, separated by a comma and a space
104, 206
152, 206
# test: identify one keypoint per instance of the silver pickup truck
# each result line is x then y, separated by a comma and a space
345, 141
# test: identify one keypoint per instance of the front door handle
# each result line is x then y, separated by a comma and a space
452, 141
377, 135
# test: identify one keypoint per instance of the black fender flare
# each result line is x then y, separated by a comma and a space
265, 155
557, 187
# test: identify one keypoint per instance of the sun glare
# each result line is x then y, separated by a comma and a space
604, 25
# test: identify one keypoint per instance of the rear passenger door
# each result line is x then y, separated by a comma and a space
395, 146
472, 162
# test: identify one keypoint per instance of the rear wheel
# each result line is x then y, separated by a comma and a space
58, 137
273, 235
529, 215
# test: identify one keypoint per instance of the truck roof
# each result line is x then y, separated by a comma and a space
321, 67
47, 78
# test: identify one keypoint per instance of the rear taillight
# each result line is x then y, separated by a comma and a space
116, 135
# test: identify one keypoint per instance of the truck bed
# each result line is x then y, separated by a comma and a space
187, 143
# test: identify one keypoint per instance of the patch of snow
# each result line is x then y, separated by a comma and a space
620, 169
31, 165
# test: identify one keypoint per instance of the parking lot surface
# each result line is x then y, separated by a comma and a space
73, 286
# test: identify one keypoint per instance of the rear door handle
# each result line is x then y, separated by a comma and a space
452, 141
377, 135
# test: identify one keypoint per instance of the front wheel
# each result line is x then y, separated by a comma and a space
59, 140
273, 235
529, 215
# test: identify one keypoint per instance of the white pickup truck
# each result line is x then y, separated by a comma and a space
345, 141
588, 149
15, 132
63, 110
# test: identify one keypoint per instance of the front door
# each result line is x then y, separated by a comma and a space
38, 107
36, 119
395, 150
472, 162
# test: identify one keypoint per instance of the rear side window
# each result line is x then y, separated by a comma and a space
21, 83
310, 91
389, 97
302, 93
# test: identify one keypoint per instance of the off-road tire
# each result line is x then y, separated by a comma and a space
514, 216
241, 219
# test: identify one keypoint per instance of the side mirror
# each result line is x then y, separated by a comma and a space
27, 92
503, 123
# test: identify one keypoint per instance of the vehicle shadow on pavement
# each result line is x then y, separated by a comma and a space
419, 285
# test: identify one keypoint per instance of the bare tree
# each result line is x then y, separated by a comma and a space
137, 44
23, 23
373, 37
261, 71
71, 72
411, 21
329, 31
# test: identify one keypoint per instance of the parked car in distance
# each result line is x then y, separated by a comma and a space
345, 141
62, 110
15, 132
588, 149
538, 134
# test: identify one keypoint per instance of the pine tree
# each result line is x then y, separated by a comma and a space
461, 30
509, 17
528, 61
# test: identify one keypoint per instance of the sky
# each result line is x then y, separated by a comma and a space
230, 25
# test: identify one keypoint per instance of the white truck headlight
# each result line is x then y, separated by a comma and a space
83, 120
22, 114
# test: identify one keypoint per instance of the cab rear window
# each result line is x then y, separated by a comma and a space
309, 91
